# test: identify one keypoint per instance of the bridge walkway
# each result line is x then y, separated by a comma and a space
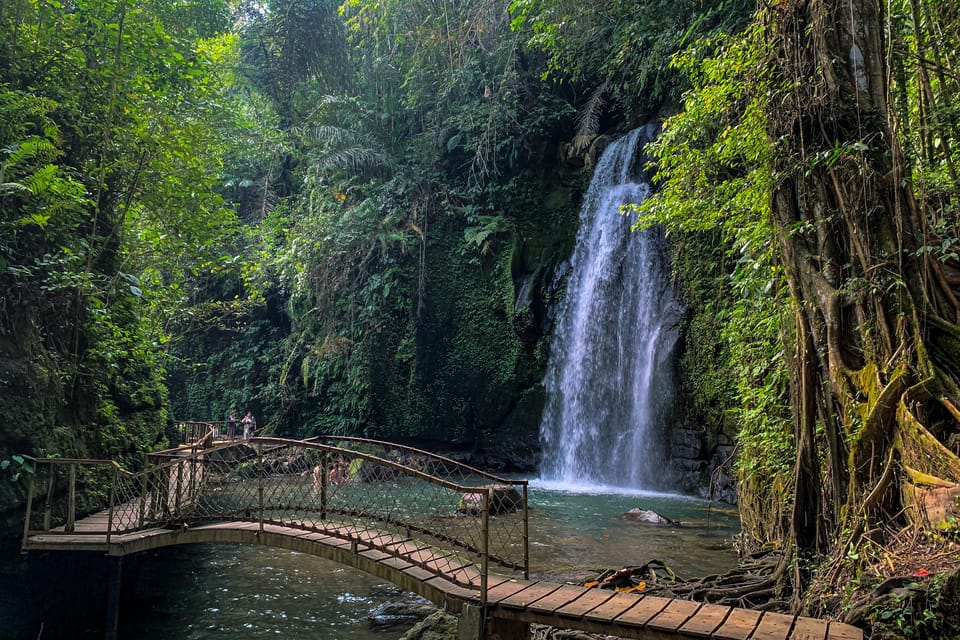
440, 543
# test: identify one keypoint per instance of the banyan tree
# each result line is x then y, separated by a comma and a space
876, 386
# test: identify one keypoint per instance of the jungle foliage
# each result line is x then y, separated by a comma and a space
348, 216
345, 216
416, 210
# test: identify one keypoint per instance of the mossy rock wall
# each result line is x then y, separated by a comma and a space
105, 402
471, 375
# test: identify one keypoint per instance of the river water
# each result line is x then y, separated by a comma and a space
246, 592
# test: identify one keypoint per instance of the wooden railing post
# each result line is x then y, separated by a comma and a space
485, 545
72, 499
177, 496
26, 518
113, 499
526, 536
260, 482
324, 478
192, 487
144, 494
48, 505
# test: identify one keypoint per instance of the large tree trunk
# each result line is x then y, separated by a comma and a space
877, 337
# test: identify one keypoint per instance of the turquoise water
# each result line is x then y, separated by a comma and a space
584, 526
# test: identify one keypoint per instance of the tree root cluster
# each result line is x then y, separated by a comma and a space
752, 584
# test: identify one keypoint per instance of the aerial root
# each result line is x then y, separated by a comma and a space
753, 584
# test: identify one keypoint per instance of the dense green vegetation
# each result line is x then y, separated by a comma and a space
348, 216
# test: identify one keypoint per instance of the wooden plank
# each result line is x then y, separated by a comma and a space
809, 629
612, 608
840, 631
674, 616
467, 575
550, 603
505, 590
330, 541
424, 556
649, 608
375, 554
589, 600
406, 548
420, 574
707, 619
396, 563
531, 594
453, 590
381, 539
223, 524
738, 625
442, 564
773, 626
495, 579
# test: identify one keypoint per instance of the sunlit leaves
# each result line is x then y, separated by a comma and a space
624, 44
713, 164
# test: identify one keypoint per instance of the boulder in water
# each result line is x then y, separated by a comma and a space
503, 499
439, 626
400, 614
649, 517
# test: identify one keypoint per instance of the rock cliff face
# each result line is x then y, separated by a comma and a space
703, 461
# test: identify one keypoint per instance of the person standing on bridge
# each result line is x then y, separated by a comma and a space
232, 426
249, 425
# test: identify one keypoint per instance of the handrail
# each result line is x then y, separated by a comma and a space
341, 491
420, 452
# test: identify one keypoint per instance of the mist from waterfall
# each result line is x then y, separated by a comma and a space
610, 377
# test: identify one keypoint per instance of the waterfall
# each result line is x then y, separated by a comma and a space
609, 380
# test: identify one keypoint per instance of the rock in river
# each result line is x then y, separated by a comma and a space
649, 517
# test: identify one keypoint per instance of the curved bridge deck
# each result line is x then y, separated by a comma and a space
423, 522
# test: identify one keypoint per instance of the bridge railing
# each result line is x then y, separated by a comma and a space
189, 432
62, 491
508, 531
368, 492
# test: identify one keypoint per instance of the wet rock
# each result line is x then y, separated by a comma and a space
400, 614
687, 444
439, 626
503, 499
649, 517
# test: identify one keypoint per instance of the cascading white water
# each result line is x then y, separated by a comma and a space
609, 380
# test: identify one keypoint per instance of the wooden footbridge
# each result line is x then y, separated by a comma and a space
451, 533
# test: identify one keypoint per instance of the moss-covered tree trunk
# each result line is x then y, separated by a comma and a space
877, 339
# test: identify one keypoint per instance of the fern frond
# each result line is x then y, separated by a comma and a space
331, 136
30, 148
305, 370
580, 144
11, 188
41, 180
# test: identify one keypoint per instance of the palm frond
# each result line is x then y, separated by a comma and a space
361, 161
588, 118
